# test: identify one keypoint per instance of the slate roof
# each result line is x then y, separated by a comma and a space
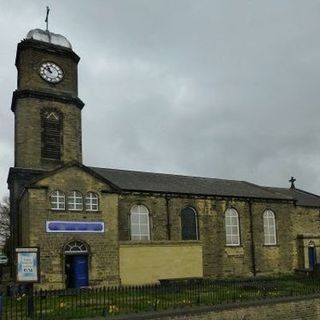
20, 178
302, 197
25, 174
169, 183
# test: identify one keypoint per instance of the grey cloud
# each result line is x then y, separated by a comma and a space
225, 89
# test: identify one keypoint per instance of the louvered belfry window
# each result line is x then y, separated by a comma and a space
51, 135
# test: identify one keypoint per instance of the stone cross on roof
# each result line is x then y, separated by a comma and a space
292, 180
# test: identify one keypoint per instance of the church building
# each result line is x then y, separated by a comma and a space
98, 226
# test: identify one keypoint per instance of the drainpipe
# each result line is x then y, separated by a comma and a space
167, 197
253, 253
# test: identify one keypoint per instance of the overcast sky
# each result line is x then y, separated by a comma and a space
226, 89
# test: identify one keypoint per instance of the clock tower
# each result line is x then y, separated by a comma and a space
46, 105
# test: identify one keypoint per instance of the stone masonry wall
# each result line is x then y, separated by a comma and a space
285, 309
28, 133
279, 258
27, 110
103, 247
306, 228
220, 260
29, 62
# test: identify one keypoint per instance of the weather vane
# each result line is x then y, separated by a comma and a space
47, 16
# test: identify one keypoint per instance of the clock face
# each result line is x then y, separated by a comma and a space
51, 72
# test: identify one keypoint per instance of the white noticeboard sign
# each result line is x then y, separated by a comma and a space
27, 264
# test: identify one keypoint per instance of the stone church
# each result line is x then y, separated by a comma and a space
99, 226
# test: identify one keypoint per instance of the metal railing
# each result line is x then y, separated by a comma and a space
78, 303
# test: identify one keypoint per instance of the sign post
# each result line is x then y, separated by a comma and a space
28, 271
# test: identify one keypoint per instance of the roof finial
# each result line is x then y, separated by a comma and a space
47, 16
292, 180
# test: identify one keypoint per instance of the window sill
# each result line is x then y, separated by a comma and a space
155, 243
76, 211
50, 160
234, 251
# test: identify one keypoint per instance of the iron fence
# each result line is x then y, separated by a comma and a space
87, 302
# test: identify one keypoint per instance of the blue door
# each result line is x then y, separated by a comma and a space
312, 257
80, 271
77, 271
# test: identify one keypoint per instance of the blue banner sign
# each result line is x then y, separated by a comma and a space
75, 226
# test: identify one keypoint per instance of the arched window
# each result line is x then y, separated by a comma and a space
51, 137
139, 223
75, 201
269, 228
57, 200
232, 227
92, 201
75, 247
189, 225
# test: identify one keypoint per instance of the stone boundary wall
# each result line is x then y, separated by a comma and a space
293, 308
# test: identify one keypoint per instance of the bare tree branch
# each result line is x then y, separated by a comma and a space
4, 220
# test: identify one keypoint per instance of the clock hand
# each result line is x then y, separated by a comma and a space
49, 69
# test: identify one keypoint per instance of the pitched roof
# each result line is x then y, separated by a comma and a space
24, 176
302, 197
169, 183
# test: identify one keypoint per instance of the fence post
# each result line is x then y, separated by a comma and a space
30, 301
41, 297
1, 304
155, 306
234, 290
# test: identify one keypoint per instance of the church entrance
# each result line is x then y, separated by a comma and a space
76, 265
